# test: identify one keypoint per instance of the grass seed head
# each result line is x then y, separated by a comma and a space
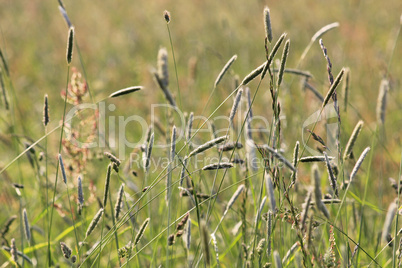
66, 250
94, 222
224, 70
46, 111
27, 227
14, 252
352, 140
382, 101
267, 24
70, 45
166, 15
141, 231
119, 202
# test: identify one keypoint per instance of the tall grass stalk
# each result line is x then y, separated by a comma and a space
69, 51
69, 203
174, 58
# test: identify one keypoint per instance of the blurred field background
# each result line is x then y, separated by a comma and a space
119, 42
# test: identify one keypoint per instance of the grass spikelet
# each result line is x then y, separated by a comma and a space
270, 191
233, 199
251, 153
352, 139
235, 105
148, 135
215, 244
316, 180
329, 64
330, 256
80, 196
148, 153
183, 171
317, 137
46, 111
283, 62
253, 74
215, 166
27, 227
277, 259
63, 171
224, 70
70, 45
173, 144
262, 204
261, 246
333, 87
141, 231
189, 126
107, 184
306, 206
187, 237
171, 240
386, 229
323, 30
358, 164
295, 157
331, 175
275, 49
230, 146
207, 145
382, 101
7, 225
269, 232
113, 158
13, 251
205, 241
94, 222
314, 158
66, 250
166, 16
346, 89
119, 202
162, 64
280, 157
182, 223
267, 24
290, 252
125, 91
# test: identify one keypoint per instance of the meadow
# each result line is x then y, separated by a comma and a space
200, 134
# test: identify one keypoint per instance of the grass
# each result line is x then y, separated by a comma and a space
115, 47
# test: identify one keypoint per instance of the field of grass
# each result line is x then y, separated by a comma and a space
295, 176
